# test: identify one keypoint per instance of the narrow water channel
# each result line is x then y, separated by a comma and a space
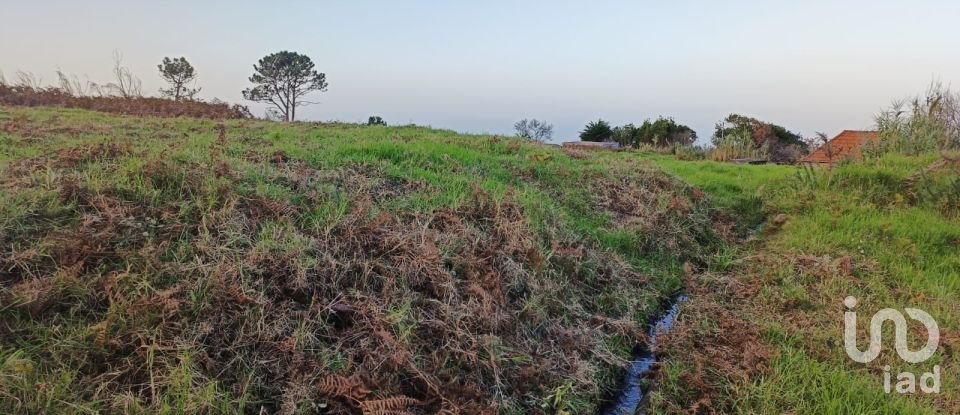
636, 384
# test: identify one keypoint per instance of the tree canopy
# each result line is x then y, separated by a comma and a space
178, 72
662, 132
282, 79
597, 131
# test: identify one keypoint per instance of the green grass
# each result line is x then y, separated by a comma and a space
736, 188
864, 211
903, 249
803, 385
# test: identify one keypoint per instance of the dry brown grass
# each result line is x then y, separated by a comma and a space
33, 97
465, 310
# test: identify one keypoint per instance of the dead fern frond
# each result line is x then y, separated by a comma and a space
392, 405
103, 328
342, 387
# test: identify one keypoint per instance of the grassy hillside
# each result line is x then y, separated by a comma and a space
856, 230
167, 265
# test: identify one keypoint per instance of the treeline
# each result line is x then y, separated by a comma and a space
924, 124
736, 137
662, 132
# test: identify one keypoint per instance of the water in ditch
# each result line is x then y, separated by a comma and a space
636, 384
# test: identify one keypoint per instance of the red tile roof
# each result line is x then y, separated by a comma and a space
847, 144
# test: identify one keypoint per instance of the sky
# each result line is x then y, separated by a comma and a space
480, 66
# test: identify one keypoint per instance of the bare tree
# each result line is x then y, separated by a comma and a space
3, 79
126, 84
534, 129
178, 73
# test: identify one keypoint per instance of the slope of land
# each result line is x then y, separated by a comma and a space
862, 229
168, 265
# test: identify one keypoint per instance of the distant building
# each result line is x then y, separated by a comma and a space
592, 145
845, 145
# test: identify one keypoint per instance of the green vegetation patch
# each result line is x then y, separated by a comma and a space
874, 230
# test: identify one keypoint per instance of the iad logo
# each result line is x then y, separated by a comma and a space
906, 381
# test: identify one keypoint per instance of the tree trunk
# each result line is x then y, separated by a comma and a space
292, 101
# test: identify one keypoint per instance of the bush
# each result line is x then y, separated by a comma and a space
375, 120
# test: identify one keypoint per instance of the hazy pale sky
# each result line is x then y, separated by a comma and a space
479, 66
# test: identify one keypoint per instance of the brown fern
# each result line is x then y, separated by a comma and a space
341, 387
103, 329
392, 405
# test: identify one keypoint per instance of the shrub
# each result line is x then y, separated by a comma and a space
57, 97
375, 120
